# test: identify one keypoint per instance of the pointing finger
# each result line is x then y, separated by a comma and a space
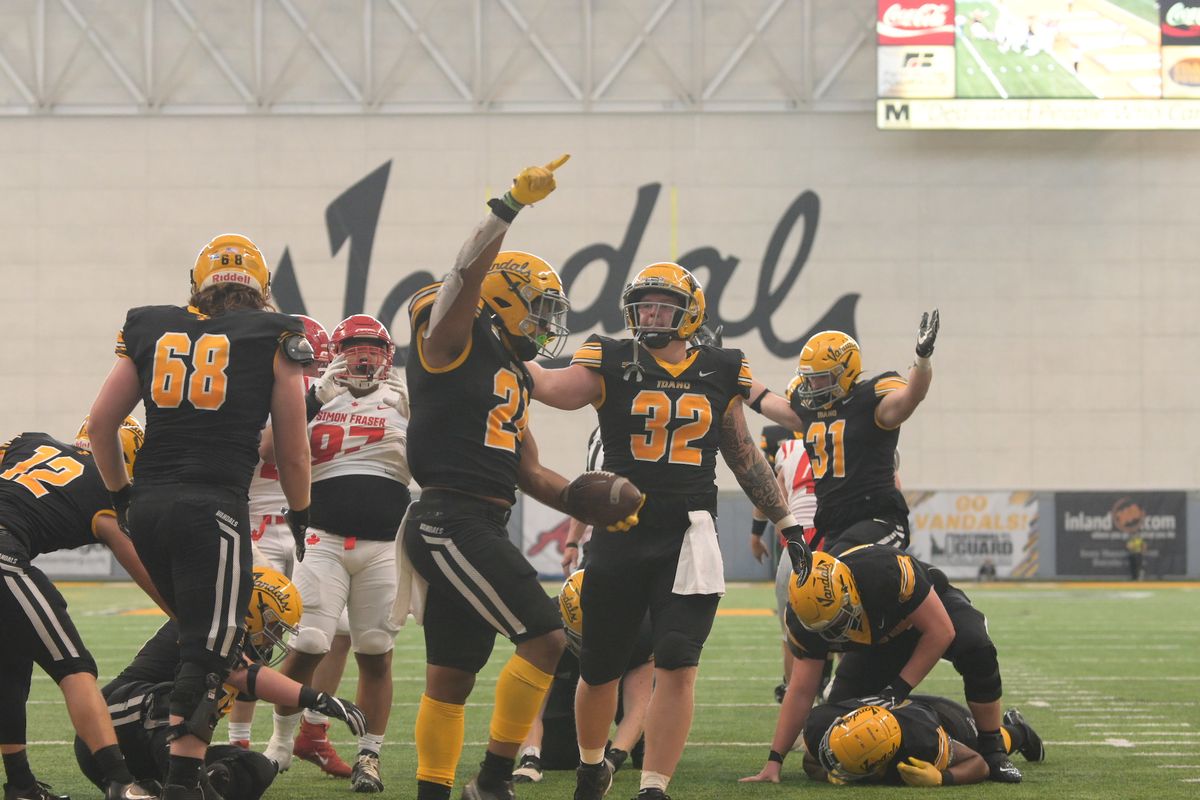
558, 162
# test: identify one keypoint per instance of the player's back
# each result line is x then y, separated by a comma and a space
50, 493
206, 383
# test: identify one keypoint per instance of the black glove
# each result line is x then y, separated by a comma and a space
798, 552
927, 335
120, 502
341, 709
892, 695
297, 520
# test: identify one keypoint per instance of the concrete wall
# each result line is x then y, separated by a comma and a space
1062, 262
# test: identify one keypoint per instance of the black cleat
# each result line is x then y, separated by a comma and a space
780, 691
529, 770
592, 781
39, 791
138, 791
652, 794
1033, 749
1001, 769
473, 791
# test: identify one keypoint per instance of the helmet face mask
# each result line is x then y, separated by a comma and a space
526, 297
368, 349
662, 303
830, 363
860, 745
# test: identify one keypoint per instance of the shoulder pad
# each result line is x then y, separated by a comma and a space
421, 302
297, 349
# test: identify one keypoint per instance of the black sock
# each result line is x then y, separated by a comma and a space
184, 771
16, 767
432, 791
495, 770
112, 764
990, 742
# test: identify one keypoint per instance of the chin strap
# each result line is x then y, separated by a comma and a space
633, 370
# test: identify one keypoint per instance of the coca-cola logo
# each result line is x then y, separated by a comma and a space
1180, 15
926, 15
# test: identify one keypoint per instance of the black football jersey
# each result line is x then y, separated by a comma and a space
468, 419
51, 493
891, 584
921, 735
851, 455
770, 439
663, 431
206, 383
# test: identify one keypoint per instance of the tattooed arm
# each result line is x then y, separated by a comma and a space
749, 465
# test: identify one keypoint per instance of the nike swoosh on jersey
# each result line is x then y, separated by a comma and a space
706, 374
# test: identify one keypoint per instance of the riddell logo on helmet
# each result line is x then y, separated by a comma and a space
232, 276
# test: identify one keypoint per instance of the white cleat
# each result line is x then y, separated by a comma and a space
279, 753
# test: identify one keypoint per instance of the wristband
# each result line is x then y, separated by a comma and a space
756, 403
504, 208
775, 756
947, 778
922, 363
786, 521
574, 545
758, 527
901, 689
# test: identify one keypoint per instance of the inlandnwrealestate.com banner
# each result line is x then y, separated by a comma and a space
1094, 528
960, 532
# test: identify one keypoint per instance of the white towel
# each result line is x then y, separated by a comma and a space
700, 570
411, 588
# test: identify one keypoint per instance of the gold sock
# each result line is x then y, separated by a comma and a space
1008, 745
519, 694
440, 731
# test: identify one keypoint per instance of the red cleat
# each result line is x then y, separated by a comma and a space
312, 744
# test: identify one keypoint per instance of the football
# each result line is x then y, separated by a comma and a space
601, 498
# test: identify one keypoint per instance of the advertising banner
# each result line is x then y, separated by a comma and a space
969, 534
1180, 22
1094, 529
915, 49
92, 561
543, 534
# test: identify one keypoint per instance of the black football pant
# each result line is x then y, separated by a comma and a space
194, 540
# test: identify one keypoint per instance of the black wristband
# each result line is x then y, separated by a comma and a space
756, 403
502, 209
312, 406
308, 697
758, 527
947, 778
775, 756
572, 544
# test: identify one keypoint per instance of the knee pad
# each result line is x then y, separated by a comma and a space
676, 650
374, 642
195, 697
310, 640
980, 670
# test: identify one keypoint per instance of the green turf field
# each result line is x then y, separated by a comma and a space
1108, 676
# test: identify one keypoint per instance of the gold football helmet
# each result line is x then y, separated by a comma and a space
571, 608
688, 312
275, 610
526, 295
231, 258
860, 744
133, 436
828, 602
829, 365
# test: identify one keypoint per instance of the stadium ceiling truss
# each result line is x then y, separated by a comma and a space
151, 57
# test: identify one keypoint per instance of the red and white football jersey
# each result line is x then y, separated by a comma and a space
360, 436
791, 459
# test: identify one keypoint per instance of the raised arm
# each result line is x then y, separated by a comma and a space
453, 313
898, 406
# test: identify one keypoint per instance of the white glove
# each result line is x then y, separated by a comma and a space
328, 386
399, 397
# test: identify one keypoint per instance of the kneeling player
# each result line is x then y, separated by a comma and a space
138, 698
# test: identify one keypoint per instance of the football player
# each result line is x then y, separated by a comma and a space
138, 697
664, 412
892, 617
210, 373
924, 741
360, 493
273, 540
52, 498
850, 428
469, 445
